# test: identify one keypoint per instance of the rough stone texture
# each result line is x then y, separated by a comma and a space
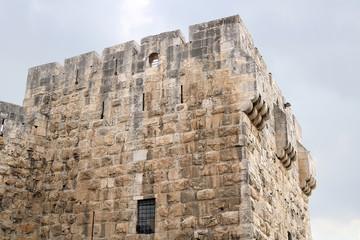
206, 133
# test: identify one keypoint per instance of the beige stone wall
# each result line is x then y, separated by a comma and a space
197, 133
21, 174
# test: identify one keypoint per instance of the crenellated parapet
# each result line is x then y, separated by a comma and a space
78, 70
163, 39
119, 59
43, 76
102, 81
40, 86
12, 120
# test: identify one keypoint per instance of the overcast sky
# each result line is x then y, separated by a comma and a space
311, 49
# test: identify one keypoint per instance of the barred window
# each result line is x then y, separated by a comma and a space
146, 216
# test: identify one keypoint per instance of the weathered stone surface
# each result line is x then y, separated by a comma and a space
4, 170
204, 131
121, 228
206, 194
229, 218
188, 222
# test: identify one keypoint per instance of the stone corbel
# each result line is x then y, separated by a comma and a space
308, 185
287, 155
285, 149
306, 171
258, 112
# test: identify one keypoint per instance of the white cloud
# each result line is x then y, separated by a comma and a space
134, 14
333, 229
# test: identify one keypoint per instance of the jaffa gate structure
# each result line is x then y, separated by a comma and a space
170, 139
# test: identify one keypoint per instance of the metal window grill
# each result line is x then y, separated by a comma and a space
146, 216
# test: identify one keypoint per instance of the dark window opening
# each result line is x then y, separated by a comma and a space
182, 94
77, 76
146, 216
116, 62
2, 127
289, 236
135, 52
154, 60
92, 226
143, 102
102, 110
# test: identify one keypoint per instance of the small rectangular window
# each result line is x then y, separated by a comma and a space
77, 77
116, 63
2, 122
182, 94
102, 110
143, 102
146, 216
289, 236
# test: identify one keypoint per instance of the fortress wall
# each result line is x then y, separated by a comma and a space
278, 209
12, 119
202, 132
107, 150
278, 206
21, 171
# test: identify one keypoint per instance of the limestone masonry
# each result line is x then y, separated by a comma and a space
164, 140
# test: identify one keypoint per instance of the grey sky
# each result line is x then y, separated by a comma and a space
311, 48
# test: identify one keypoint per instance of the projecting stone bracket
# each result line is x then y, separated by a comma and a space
287, 155
306, 171
258, 112
308, 185
285, 149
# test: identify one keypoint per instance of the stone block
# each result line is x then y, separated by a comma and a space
4, 169
86, 174
189, 222
207, 221
93, 184
187, 196
231, 154
178, 209
201, 234
109, 140
121, 228
140, 155
171, 223
169, 128
229, 218
164, 140
206, 194
174, 174
212, 156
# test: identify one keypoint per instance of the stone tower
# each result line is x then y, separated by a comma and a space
164, 140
